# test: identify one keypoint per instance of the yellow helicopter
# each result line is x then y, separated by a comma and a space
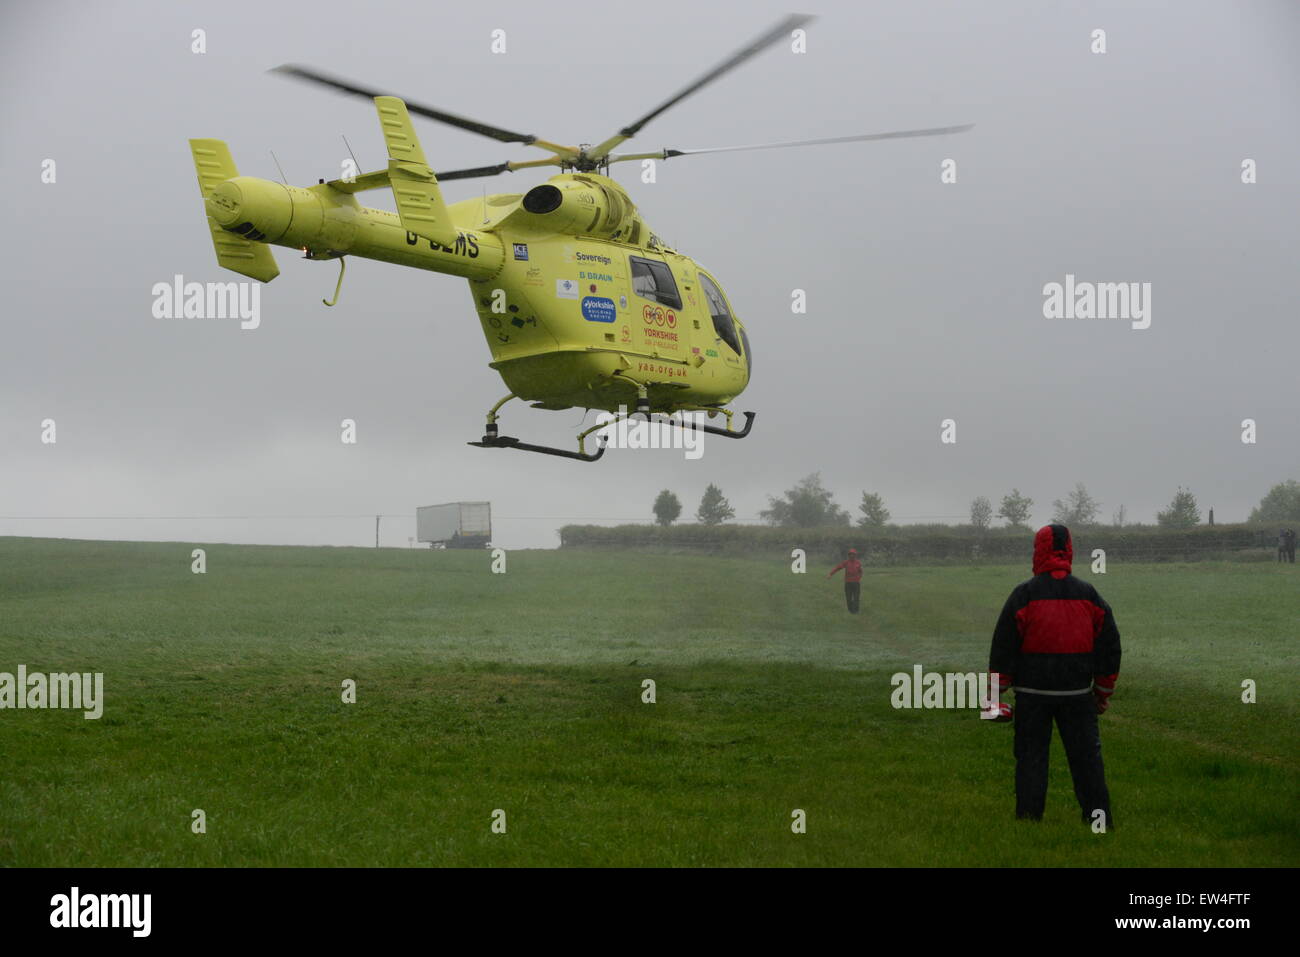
581, 303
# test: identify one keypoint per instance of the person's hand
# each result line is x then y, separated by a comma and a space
1103, 702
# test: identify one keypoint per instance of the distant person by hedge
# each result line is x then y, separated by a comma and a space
852, 579
1286, 545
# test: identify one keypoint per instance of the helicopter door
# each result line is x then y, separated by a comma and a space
658, 302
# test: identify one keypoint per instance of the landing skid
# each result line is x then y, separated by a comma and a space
493, 440
713, 429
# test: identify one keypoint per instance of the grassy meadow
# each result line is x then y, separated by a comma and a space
523, 692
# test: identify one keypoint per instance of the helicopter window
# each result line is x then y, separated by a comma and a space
654, 280
722, 321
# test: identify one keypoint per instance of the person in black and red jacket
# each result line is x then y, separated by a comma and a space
1056, 645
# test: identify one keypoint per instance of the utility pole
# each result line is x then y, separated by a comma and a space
376, 531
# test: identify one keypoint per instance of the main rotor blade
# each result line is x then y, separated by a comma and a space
896, 135
473, 173
442, 116
756, 46
480, 171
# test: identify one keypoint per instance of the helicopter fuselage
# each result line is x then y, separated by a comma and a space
580, 303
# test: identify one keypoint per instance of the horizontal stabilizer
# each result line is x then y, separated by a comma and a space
359, 184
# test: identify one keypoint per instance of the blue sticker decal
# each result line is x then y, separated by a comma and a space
521, 251
598, 309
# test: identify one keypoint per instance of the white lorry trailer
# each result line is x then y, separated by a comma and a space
455, 524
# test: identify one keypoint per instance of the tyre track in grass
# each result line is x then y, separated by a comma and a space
1141, 726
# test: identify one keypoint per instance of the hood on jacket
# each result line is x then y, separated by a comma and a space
1053, 551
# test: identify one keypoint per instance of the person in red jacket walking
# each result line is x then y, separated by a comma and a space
1057, 647
852, 579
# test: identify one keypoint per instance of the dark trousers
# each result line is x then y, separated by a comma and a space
852, 592
1076, 719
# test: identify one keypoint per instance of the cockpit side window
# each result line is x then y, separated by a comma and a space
723, 324
654, 280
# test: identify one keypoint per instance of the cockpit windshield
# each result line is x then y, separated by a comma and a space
723, 324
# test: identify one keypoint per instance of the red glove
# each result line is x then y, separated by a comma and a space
997, 711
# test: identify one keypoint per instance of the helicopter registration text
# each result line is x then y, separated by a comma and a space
466, 244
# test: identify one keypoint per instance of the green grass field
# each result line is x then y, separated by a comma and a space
522, 692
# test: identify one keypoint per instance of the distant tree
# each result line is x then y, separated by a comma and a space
1182, 512
667, 508
1281, 504
1015, 509
1079, 508
807, 505
714, 509
1120, 515
874, 513
981, 513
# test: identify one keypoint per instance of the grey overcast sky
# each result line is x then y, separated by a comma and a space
925, 299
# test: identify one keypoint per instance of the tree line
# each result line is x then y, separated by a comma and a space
810, 505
